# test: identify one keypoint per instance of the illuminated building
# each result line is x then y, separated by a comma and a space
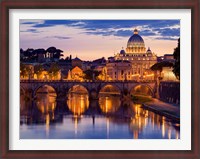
167, 74
77, 73
27, 71
141, 59
119, 70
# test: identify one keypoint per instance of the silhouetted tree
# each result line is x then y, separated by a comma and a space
58, 54
53, 70
51, 51
89, 74
54, 53
176, 54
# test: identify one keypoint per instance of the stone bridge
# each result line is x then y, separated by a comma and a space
62, 87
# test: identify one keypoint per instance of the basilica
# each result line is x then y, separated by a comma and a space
133, 63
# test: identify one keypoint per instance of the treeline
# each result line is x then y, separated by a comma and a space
38, 55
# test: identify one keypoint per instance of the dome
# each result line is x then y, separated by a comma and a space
136, 43
122, 51
135, 38
149, 51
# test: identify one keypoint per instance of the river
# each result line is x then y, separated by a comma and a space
81, 118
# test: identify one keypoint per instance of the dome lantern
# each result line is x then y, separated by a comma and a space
135, 31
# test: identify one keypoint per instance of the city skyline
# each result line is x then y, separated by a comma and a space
93, 39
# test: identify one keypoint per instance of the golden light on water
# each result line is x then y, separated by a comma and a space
47, 124
163, 126
163, 130
77, 103
169, 133
109, 104
177, 135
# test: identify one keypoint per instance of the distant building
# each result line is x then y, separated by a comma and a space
77, 62
98, 62
27, 72
167, 71
166, 57
65, 65
140, 59
111, 59
167, 74
86, 65
76, 73
119, 70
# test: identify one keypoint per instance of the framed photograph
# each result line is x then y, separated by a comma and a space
99, 79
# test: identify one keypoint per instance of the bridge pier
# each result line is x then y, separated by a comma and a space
61, 96
29, 94
93, 95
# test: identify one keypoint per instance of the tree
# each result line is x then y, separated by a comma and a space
54, 53
176, 68
53, 70
159, 65
51, 51
91, 74
38, 70
39, 55
58, 54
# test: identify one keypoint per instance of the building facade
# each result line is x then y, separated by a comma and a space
140, 59
119, 70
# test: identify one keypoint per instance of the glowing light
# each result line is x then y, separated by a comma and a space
136, 134
107, 127
47, 124
163, 130
177, 135
76, 125
169, 134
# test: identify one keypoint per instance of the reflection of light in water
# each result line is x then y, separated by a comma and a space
153, 121
135, 134
78, 103
177, 135
47, 124
109, 103
146, 118
107, 127
163, 126
139, 123
76, 125
46, 103
169, 133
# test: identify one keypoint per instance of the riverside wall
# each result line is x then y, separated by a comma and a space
169, 92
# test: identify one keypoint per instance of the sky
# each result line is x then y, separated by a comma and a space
93, 39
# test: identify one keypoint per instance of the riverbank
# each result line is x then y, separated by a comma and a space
168, 110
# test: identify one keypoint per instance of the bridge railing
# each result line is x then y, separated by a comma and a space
89, 81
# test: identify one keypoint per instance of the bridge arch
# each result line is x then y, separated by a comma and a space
49, 87
110, 88
78, 86
77, 100
143, 89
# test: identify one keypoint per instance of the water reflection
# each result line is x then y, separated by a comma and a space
109, 103
108, 117
78, 103
46, 103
